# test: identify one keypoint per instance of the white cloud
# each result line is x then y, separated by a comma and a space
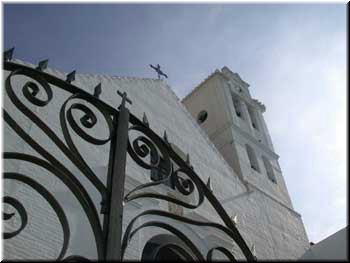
303, 85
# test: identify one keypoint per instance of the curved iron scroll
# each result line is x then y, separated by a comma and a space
41, 83
157, 148
177, 172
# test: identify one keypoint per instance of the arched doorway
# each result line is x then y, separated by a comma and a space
166, 247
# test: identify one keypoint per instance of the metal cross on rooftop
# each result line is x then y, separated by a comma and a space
157, 69
125, 98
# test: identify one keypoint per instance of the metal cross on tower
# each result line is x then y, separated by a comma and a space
157, 69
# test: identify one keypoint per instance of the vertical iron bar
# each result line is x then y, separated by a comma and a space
116, 195
105, 200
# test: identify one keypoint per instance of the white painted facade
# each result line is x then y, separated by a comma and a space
266, 218
334, 247
235, 124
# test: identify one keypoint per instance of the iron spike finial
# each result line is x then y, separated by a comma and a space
165, 137
209, 184
42, 65
8, 54
145, 120
98, 90
71, 77
188, 159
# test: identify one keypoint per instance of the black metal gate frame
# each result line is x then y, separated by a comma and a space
111, 243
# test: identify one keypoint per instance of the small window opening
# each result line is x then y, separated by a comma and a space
202, 116
238, 108
269, 170
253, 117
252, 158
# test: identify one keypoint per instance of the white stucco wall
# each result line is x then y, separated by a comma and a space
334, 247
275, 231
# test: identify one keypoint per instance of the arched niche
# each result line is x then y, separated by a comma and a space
165, 247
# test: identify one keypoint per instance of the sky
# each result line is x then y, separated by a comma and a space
292, 55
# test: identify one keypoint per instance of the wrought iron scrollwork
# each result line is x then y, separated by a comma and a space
42, 84
48, 197
21, 211
148, 150
154, 147
186, 182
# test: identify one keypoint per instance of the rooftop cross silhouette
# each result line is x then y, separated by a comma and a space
157, 69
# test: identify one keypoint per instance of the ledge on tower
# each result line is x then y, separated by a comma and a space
228, 73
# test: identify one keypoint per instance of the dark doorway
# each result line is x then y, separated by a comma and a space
167, 253
165, 248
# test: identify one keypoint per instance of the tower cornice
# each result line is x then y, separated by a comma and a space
226, 74
234, 76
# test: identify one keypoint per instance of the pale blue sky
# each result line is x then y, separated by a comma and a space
292, 55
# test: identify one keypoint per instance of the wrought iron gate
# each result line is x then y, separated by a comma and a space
111, 243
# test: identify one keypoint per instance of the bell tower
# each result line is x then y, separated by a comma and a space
234, 121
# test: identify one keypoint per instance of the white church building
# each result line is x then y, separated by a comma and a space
57, 166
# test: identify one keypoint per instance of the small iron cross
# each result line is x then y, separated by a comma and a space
157, 69
124, 98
